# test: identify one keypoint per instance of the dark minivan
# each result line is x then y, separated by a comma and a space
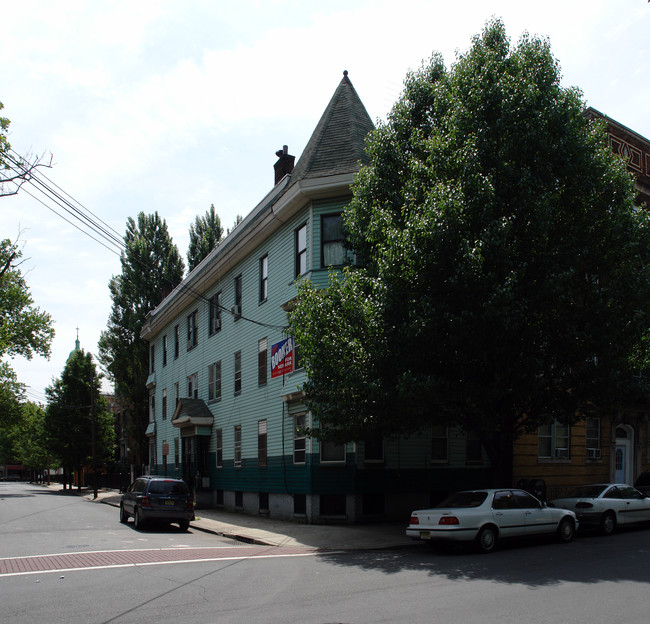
157, 499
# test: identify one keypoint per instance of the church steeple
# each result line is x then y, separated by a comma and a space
77, 345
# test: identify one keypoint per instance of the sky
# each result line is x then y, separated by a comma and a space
174, 106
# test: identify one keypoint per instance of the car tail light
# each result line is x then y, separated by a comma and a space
145, 502
415, 520
583, 505
449, 520
190, 503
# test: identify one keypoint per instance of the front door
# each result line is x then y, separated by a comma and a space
620, 461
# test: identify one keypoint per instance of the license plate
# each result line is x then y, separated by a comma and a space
425, 535
170, 503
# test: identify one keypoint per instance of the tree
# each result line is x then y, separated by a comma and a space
151, 266
24, 329
76, 411
11, 395
205, 234
15, 170
31, 439
505, 273
238, 220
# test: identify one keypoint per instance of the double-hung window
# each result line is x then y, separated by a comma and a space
164, 350
332, 241
264, 278
592, 438
301, 250
219, 447
215, 314
164, 403
299, 439
192, 330
238, 297
177, 341
553, 440
214, 381
261, 442
152, 359
238, 372
193, 386
237, 446
262, 363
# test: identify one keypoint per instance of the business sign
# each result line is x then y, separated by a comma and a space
282, 358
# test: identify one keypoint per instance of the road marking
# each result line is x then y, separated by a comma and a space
104, 560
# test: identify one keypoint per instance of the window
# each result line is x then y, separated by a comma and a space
262, 361
164, 345
553, 440
331, 451
238, 297
177, 394
439, 443
264, 278
152, 408
193, 386
192, 330
238, 372
164, 403
164, 456
215, 314
214, 381
299, 439
473, 448
152, 359
592, 438
301, 250
177, 341
332, 241
261, 443
219, 443
237, 446
177, 458
374, 449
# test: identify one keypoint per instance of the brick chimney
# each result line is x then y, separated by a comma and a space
285, 163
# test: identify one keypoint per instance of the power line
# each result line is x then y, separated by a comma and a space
99, 228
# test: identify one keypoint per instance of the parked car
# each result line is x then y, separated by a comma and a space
157, 499
642, 482
606, 505
486, 516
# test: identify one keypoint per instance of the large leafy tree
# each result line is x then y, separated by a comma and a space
74, 401
505, 275
151, 266
24, 329
205, 234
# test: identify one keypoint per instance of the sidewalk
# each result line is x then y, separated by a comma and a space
272, 532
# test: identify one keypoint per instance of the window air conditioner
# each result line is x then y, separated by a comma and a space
593, 453
562, 453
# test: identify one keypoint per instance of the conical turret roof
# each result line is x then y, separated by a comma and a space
337, 144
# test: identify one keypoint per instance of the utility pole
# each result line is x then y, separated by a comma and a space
92, 420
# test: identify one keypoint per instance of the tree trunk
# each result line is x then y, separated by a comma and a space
499, 450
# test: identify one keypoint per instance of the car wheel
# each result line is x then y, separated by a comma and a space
566, 530
608, 523
487, 539
124, 517
184, 524
138, 522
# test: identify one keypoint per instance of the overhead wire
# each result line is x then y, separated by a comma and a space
98, 227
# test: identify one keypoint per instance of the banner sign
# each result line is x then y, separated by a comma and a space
282, 358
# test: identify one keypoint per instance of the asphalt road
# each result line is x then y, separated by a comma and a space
160, 576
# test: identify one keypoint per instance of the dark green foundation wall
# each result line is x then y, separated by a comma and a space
280, 475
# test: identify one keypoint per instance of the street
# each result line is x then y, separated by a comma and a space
107, 572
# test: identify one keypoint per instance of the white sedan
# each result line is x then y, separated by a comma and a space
605, 505
485, 516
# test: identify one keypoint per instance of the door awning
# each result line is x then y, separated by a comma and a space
193, 417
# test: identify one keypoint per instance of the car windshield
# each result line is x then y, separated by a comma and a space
586, 491
463, 499
167, 487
